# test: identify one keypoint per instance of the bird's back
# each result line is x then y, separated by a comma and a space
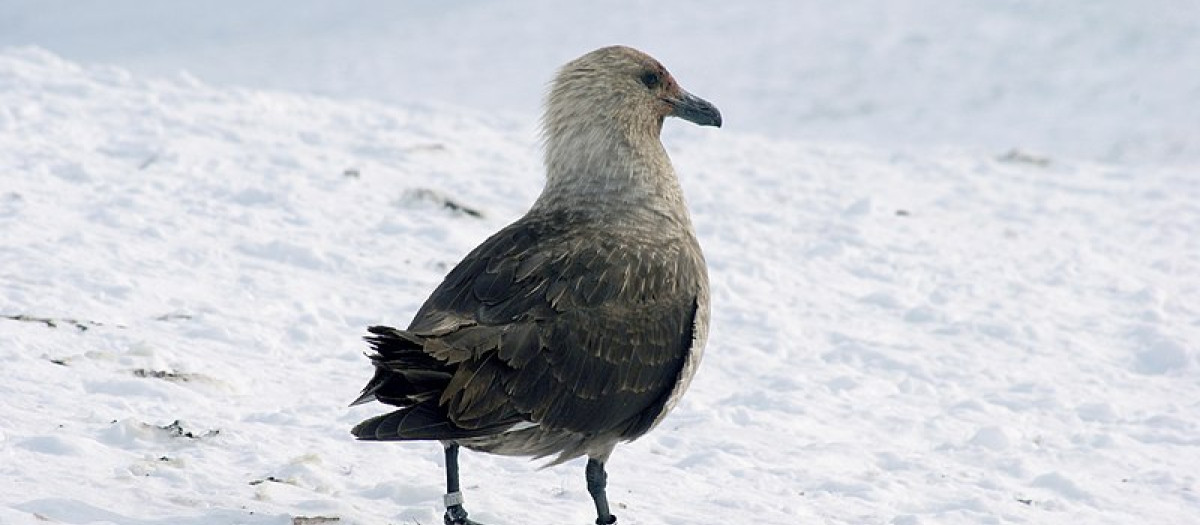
561, 324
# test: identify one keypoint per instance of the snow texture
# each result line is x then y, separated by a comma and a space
935, 311
1108, 80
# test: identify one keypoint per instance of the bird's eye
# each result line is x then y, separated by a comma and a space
651, 79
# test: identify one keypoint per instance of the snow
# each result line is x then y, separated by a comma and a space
1109, 80
935, 311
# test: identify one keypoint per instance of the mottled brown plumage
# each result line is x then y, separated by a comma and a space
579, 325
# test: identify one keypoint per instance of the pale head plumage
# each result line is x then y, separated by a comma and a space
604, 113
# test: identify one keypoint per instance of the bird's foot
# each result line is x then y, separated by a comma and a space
456, 515
610, 520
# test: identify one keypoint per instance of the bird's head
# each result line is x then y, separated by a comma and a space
624, 85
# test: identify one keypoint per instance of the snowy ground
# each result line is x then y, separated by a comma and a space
1108, 80
900, 336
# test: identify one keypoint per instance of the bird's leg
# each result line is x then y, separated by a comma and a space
597, 479
455, 513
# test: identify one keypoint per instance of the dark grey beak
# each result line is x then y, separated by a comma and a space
695, 109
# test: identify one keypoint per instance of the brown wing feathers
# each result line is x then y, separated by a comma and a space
543, 344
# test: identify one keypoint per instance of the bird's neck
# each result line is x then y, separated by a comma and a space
615, 170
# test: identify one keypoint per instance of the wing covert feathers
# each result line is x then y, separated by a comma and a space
587, 335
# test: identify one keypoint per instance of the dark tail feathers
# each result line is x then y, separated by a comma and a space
404, 374
407, 377
425, 421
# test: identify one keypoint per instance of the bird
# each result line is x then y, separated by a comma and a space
579, 325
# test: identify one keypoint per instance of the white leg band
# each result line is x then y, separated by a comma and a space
452, 499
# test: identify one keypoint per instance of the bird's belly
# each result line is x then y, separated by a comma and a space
535, 441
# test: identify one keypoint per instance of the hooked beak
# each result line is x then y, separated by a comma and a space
695, 109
